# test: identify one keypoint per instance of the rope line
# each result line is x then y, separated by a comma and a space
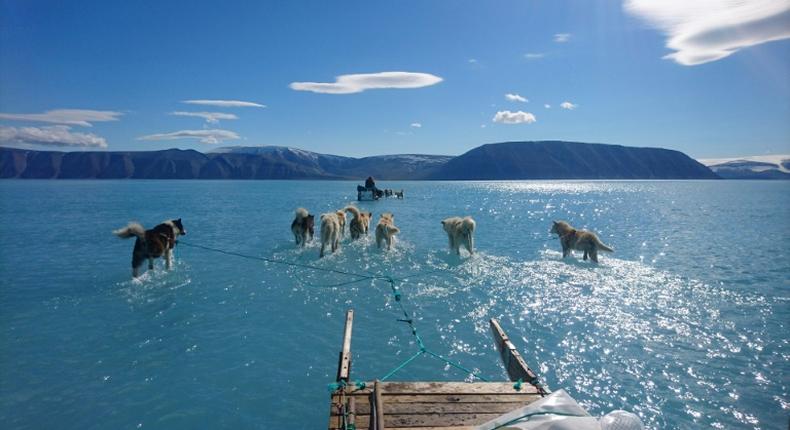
397, 294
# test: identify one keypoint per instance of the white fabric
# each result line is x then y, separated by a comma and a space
557, 411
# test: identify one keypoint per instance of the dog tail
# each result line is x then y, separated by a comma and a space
600, 245
354, 211
133, 229
301, 213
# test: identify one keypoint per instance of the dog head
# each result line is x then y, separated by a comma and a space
560, 227
180, 227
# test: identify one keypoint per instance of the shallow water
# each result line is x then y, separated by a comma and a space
685, 324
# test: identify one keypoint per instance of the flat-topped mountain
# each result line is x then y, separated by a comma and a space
511, 160
571, 160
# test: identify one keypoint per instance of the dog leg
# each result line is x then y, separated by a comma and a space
168, 259
150, 263
594, 255
585, 255
321, 254
135, 272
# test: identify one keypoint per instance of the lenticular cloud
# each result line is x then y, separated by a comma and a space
702, 31
349, 84
518, 117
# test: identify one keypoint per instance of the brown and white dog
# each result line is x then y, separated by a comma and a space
360, 223
580, 240
154, 243
460, 231
399, 194
386, 230
303, 227
330, 232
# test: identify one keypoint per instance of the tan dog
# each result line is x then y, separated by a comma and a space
386, 230
360, 223
341, 219
460, 231
330, 232
580, 240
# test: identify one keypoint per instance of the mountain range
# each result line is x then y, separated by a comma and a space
509, 160
755, 167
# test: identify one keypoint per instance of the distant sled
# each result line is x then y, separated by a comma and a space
367, 194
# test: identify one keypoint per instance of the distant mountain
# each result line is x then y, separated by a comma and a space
571, 160
391, 167
755, 167
512, 160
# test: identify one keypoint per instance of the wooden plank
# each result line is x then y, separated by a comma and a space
352, 411
519, 397
452, 388
443, 408
344, 362
514, 364
401, 421
377, 395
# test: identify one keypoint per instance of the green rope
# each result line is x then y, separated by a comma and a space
397, 294
402, 365
277, 261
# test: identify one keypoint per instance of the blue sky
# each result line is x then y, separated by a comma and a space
724, 90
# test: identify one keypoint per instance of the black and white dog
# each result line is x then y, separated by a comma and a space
154, 243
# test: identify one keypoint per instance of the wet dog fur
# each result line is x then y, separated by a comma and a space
460, 231
580, 240
360, 222
386, 230
154, 243
330, 232
303, 227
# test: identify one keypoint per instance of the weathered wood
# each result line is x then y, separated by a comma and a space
344, 362
379, 403
352, 411
442, 408
515, 365
522, 397
401, 421
451, 388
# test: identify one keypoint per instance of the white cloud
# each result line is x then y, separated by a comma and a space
349, 84
416, 125
519, 117
534, 55
53, 135
702, 31
547, 106
472, 60
515, 98
223, 103
482, 126
210, 117
82, 117
568, 105
562, 37
204, 136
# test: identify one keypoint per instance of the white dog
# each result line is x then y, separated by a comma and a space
460, 231
330, 232
386, 230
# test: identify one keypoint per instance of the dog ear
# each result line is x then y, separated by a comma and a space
442, 222
554, 222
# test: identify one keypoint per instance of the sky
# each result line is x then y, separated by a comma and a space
710, 78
